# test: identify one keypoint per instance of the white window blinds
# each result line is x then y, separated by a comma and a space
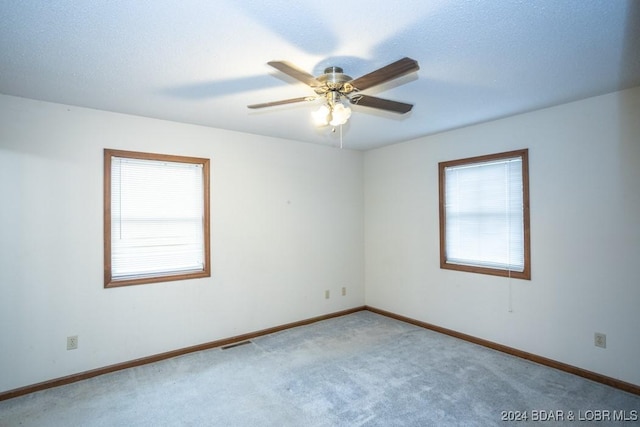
157, 218
485, 214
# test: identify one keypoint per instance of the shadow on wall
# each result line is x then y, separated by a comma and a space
629, 108
630, 60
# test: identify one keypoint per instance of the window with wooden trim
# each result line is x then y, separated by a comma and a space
156, 218
484, 214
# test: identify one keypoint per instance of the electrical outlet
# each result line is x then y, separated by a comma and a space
344, 290
72, 342
326, 294
600, 340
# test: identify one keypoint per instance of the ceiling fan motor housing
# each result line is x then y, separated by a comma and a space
335, 80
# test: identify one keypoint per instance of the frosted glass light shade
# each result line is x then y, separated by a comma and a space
340, 115
321, 116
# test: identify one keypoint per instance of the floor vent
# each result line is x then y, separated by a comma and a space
237, 344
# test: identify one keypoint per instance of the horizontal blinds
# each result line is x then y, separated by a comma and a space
157, 218
484, 214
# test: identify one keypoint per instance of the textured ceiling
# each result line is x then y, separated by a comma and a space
202, 62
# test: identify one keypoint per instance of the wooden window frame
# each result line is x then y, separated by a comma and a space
109, 281
526, 273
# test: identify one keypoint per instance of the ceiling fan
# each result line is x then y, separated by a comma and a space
334, 86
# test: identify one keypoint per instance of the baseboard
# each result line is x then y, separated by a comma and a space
622, 385
162, 356
628, 387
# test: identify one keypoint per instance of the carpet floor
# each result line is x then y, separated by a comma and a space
362, 369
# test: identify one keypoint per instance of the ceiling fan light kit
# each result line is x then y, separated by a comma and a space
333, 112
334, 86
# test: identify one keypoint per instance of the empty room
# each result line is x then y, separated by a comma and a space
349, 213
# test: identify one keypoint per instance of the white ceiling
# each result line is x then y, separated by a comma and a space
202, 62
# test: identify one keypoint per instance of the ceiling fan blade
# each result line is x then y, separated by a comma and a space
282, 102
295, 72
382, 104
386, 73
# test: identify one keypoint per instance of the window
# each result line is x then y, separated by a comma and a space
156, 218
484, 215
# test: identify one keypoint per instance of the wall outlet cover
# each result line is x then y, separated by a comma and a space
72, 342
600, 340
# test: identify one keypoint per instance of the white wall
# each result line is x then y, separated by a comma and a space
287, 223
584, 160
